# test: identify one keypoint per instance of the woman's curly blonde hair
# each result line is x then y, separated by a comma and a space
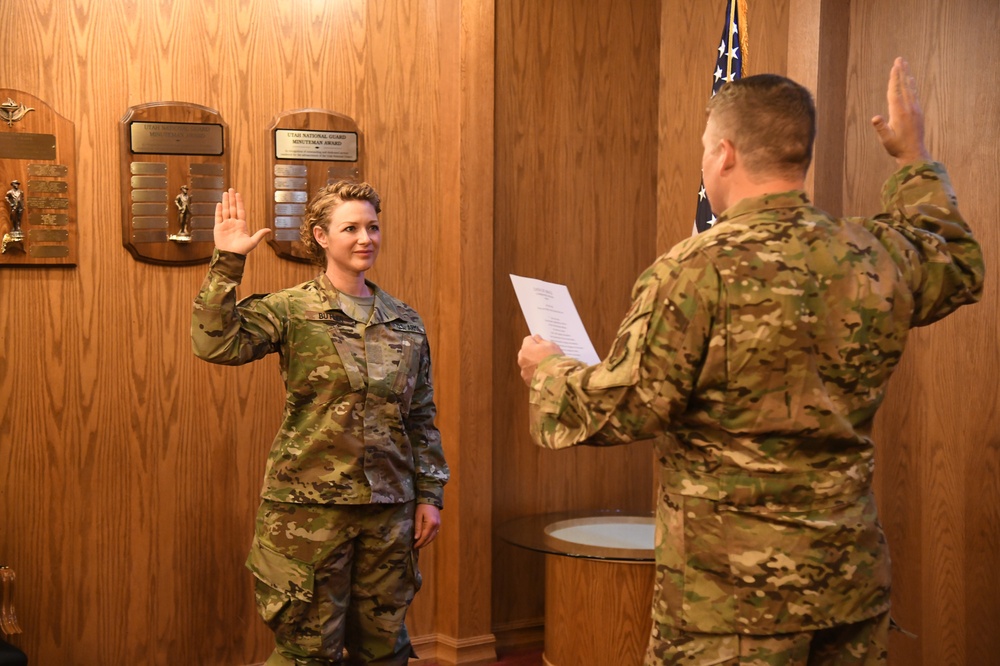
322, 204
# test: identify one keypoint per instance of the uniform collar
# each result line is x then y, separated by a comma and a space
385, 308
789, 199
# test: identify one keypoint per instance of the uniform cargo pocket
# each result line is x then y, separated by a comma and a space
284, 585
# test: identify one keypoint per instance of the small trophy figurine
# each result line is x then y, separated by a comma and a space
15, 202
183, 203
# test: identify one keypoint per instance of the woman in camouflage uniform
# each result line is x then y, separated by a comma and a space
355, 477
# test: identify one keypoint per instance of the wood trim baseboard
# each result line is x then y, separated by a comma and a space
520, 635
448, 651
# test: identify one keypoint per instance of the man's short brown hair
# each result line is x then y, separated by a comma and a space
771, 121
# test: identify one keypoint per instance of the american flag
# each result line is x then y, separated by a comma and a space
728, 67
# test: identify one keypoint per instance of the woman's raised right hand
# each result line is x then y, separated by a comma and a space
230, 232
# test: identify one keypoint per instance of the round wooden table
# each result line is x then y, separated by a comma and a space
599, 572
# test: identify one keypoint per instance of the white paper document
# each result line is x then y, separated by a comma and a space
550, 313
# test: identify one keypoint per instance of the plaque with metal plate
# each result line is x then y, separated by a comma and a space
309, 149
38, 224
174, 169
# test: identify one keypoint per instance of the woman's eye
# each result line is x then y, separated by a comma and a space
348, 229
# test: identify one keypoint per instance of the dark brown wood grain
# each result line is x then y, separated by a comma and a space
939, 446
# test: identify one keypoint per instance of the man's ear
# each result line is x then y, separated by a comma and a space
728, 154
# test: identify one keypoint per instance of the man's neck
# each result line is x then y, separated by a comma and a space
749, 188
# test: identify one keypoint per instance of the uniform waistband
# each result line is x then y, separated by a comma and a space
772, 490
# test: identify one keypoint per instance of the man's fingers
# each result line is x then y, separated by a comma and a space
882, 128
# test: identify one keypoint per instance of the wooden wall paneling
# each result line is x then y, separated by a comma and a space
938, 443
575, 188
464, 313
769, 34
689, 39
817, 58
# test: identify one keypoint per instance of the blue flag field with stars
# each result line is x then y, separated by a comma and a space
728, 67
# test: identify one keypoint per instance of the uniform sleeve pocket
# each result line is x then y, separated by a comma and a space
284, 585
621, 367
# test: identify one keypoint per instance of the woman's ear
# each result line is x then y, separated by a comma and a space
320, 235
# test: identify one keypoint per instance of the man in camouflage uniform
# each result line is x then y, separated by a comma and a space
356, 473
756, 354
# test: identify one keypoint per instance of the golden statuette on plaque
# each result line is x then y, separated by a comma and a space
11, 111
14, 198
183, 203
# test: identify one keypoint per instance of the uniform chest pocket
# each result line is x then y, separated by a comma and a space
326, 353
400, 350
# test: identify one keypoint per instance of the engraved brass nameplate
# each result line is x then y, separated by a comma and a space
290, 235
150, 236
47, 202
149, 195
48, 170
48, 235
206, 182
148, 168
141, 209
48, 186
305, 144
149, 182
291, 170
49, 219
49, 251
205, 208
290, 183
291, 196
289, 209
176, 138
214, 196
149, 223
27, 146
206, 169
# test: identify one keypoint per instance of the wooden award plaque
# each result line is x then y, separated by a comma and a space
38, 224
309, 148
174, 169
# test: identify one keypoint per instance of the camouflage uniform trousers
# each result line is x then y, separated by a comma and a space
863, 643
333, 582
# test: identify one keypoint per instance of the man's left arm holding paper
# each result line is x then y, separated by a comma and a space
645, 380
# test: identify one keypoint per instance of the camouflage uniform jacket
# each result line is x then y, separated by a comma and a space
359, 410
756, 355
